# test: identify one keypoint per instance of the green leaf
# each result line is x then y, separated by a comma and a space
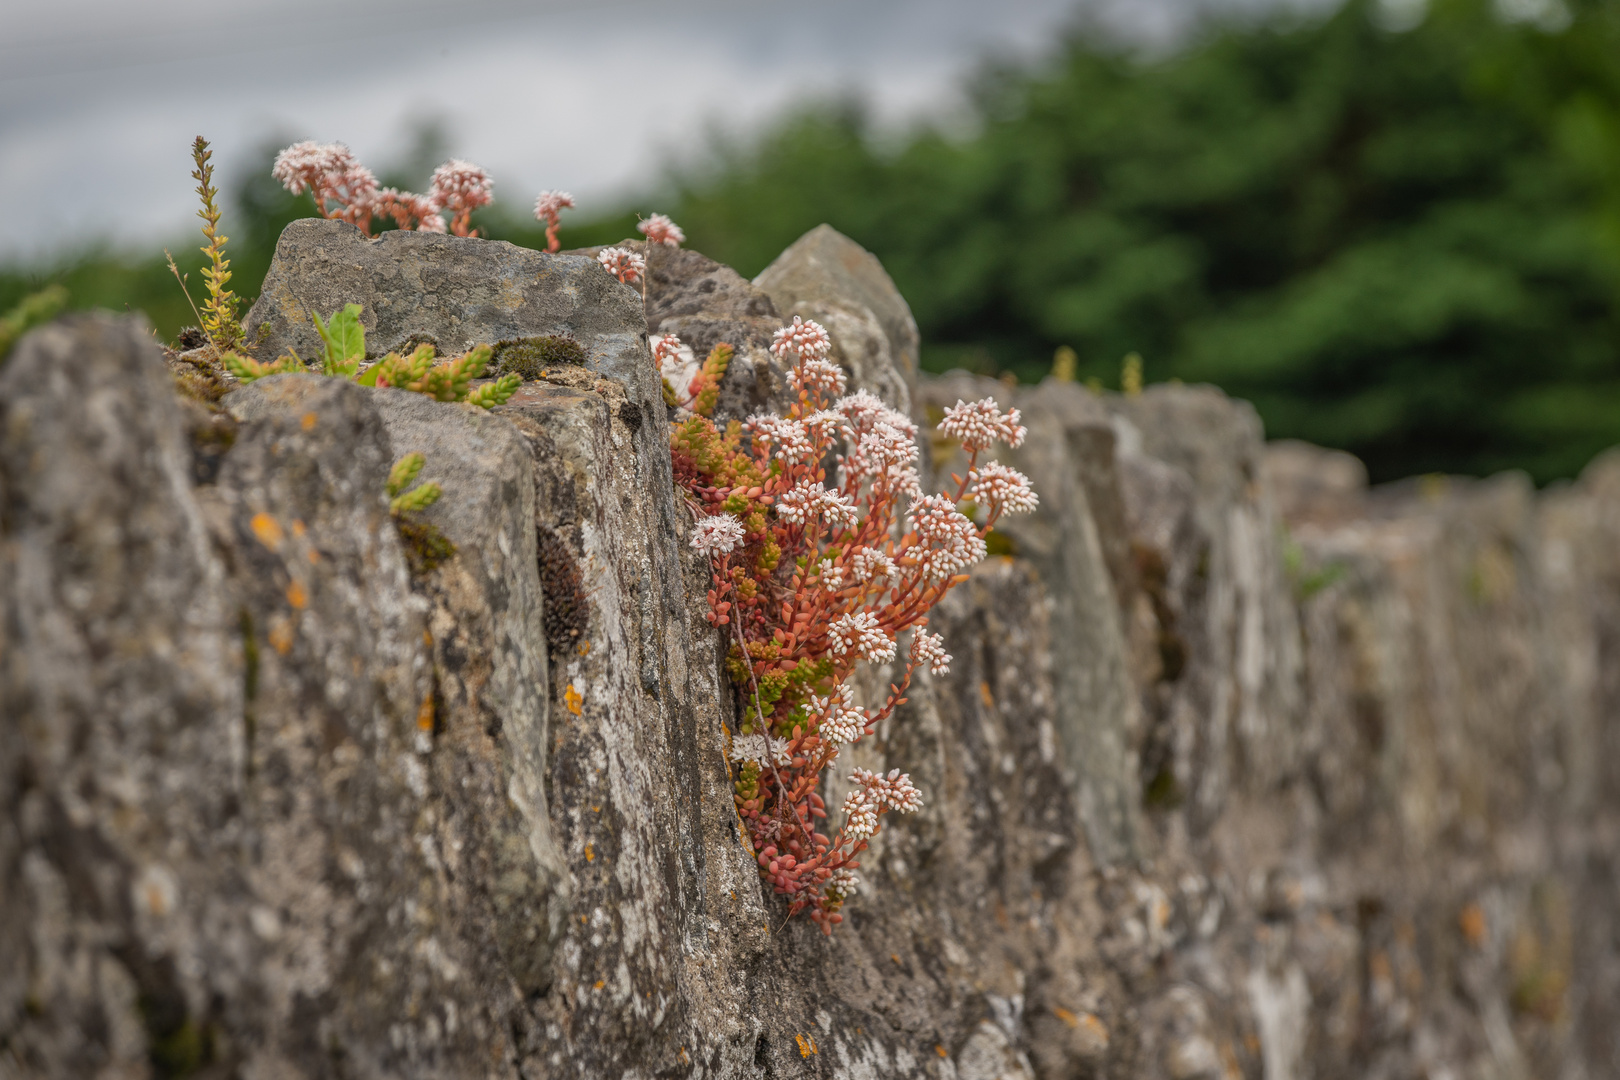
345, 340
368, 377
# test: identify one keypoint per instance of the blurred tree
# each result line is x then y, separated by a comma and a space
1406, 244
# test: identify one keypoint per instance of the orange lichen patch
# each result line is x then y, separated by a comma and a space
297, 596
940, 1050
984, 695
572, 699
281, 636
424, 715
307, 421
590, 853
1472, 923
1066, 1016
895, 957
298, 528
684, 1056
807, 1045
600, 983
1094, 1027
265, 528
584, 648
313, 556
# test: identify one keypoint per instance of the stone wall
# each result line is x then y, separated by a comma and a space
1241, 769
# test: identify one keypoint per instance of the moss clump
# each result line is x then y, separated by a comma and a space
567, 616
530, 357
425, 546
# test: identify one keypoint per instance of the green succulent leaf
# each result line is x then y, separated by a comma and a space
404, 472
418, 498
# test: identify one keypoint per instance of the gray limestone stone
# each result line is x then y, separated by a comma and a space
1204, 798
826, 276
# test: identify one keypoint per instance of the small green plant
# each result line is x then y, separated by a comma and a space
425, 546
1065, 364
219, 310
401, 477
699, 391
533, 357
1130, 375
343, 340
35, 309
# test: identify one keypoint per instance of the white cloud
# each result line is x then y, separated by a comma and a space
99, 99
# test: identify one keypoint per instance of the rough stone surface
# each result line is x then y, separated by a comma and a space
453, 291
1240, 769
826, 276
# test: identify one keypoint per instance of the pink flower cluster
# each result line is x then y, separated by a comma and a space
980, 425
873, 794
622, 263
346, 190
813, 574
658, 229
462, 187
548, 208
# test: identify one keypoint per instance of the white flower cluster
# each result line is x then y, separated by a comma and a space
333, 174
760, 748
403, 206
845, 883
980, 424
885, 444
842, 721
951, 543
801, 341
860, 815
818, 377
790, 439
832, 575
658, 229
872, 793
929, 649
668, 349
622, 263
859, 633
717, 535
1001, 490
865, 411
462, 186
807, 499
552, 203
871, 566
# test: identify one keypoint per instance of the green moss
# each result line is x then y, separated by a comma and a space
530, 357
567, 615
425, 546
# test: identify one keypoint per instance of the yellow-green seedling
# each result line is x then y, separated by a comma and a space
248, 369
219, 310
401, 477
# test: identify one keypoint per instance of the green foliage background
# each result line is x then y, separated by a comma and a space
1402, 243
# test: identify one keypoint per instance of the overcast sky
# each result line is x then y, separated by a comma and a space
99, 99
